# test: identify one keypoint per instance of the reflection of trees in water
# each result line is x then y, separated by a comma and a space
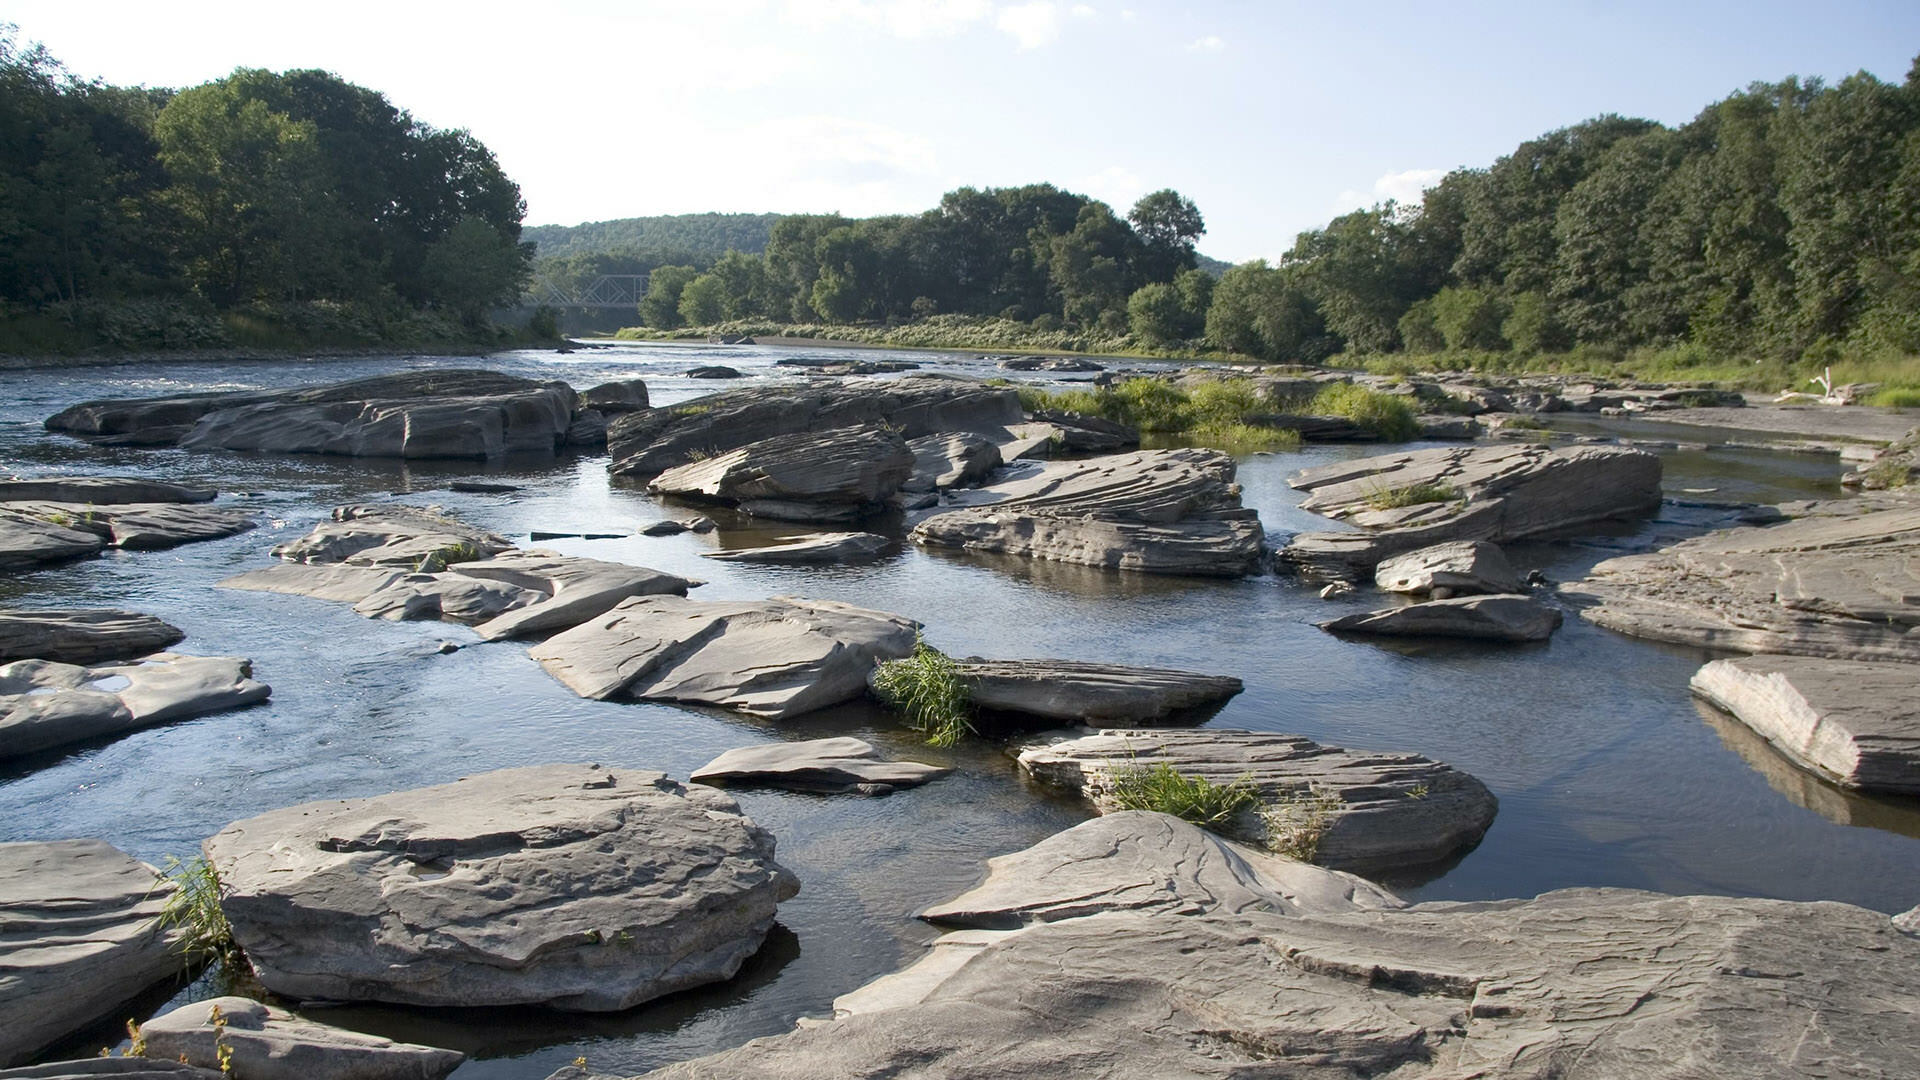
1890, 813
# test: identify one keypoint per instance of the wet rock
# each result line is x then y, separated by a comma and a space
837, 475
268, 1043
410, 414
82, 635
951, 459
390, 535
613, 398
1465, 567
477, 487
1448, 427
1324, 429
1355, 810
77, 942
588, 428
1893, 466
774, 658
120, 1068
1908, 921
32, 533
714, 371
1495, 493
645, 444
30, 539
1076, 692
1050, 363
811, 548
830, 765
100, 490
1335, 589
44, 704
509, 888
1493, 618
1074, 433
1856, 724
1835, 583
1155, 511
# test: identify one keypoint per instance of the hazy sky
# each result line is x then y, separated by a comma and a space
1271, 116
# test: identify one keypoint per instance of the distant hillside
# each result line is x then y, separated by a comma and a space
708, 235
1211, 265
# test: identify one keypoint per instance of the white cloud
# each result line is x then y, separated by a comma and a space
1404, 188
1115, 185
902, 18
1084, 11
1032, 25
1210, 43
1128, 14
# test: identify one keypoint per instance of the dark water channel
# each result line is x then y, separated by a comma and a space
1607, 772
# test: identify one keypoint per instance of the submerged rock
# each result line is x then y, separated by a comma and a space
854, 547
1494, 618
1155, 511
1356, 810
1856, 724
1464, 568
773, 658
832, 765
78, 940
1077, 692
840, 474
267, 1043
571, 886
82, 635
44, 704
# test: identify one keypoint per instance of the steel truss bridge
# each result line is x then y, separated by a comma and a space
605, 291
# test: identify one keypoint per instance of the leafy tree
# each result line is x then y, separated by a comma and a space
1168, 225
660, 308
1469, 318
1156, 315
474, 268
1264, 311
1418, 332
703, 301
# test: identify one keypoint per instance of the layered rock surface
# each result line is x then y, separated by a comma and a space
1462, 568
845, 547
774, 658
572, 886
61, 518
1357, 810
840, 474
267, 1043
1155, 511
78, 939
44, 704
1855, 723
1073, 691
1491, 618
836, 764
82, 635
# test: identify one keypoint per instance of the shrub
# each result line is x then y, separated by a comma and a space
1386, 415
926, 689
1392, 498
194, 911
1192, 799
1902, 397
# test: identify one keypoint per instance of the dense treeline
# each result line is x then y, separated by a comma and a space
260, 192
699, 235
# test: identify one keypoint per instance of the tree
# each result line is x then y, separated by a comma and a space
1156, 315
1469, 318
1264, 311
660, 308
703, 302
474, 268
1168, 225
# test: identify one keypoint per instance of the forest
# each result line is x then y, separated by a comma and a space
257, 208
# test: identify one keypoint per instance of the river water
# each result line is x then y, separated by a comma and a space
1608, 774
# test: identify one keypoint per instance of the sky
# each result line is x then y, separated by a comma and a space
1271, 116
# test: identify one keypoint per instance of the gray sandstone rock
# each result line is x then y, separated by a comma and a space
774, 658
44, 704
268, 1043
620, 396
1467, 567
833, 765
849, 547
389, 535
77, 940
572, 886
1077, 692
1855, 723
840, 474
82, 635
38, 532
1492, 618
99, 490
951, 459
1355, 810
119, 1068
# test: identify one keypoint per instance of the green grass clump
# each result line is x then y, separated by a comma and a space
1389, 416
1192, 799
193, 909
1903, 397
926, 688
1393, 498
1296, 821
440, 558
1211, 414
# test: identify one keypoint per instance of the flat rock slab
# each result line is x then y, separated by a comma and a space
773, 658
82, 635
1078, 692
845, 547
411, 414
268, 1043
32, 533
1838, 585
1154, 511
840, 474
101, 489
44, 704
1489, 618
390, 535
951, 459
77, 941
1855, 723
1576, 985
1356, 810
1494, 493
119, 1068
1463, 568
831, 765
572, 886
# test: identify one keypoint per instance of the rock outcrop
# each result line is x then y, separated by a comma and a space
44, 704
101, 490
82, 635
773, 658
841, 474
572, 886
1155, 511
827, 765
951, 459
1856, 724
117, 1068
811, 548
1461, 568
1494, 493
267, 1043
1837, 585
78, 940
62, 518
1355, 810
1077, 692
1491, 618
410, 414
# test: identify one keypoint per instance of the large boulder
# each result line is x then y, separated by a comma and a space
772, 658
647, 443
82, 635
572, 886
829, 765
262, 1042
1838, 585
410, 414
619, 396
1462, 568
1491, 618
44, 704
78, 940
1155, 511
1855, 723
951, 459
840, 474
1356, 810
1405, 501
1078, 692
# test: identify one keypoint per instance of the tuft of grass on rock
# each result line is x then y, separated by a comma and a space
1297, 820
194, 911
1902, 397
1389, 416
926, 689
1393, 498
1193, 799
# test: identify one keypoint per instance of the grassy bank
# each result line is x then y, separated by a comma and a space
965, 332
1216, 413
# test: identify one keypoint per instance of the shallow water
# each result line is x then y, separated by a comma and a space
1607, 772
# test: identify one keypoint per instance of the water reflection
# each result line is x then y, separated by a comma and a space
1890, 812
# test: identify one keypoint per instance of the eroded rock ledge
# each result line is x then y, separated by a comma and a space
1857, 724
